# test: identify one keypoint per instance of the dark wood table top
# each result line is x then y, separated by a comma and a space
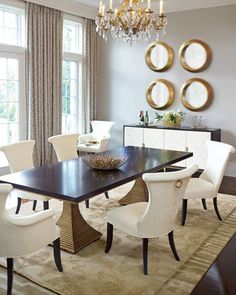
74, 181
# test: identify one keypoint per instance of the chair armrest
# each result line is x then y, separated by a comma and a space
85, 137
30, 219
103, 144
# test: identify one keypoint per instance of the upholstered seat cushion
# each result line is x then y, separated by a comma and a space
200, 189
93, 148
126, 218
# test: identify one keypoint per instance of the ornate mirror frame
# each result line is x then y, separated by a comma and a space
184, 100
183, 61
148, 56
170, 88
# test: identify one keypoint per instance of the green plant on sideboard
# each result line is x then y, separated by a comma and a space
170, 118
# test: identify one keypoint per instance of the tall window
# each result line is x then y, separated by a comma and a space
12, 62
72, 75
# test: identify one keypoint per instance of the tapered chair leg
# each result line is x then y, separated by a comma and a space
204, 205
87, 203
216, 208
18, 205
10, 265
34, 204
172, 245
109, 237
145, 256
45, 205
106, 195
57, 254
184, 210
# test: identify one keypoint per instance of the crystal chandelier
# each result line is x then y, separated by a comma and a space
130, 22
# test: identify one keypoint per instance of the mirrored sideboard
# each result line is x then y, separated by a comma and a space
179, 139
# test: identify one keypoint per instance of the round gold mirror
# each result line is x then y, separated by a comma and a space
195, 55
159, 56
196, 94
160, 94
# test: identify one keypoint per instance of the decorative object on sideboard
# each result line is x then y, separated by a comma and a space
198, 121
130, 22
146, 119
195, 55
104, 162
159, 56
141, 118
196, 94
160, 94
170, 118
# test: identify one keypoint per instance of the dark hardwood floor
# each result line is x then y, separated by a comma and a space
228, 185
220, 279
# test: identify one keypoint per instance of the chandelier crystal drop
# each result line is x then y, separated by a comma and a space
130, 22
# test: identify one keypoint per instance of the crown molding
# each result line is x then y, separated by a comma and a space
69, 6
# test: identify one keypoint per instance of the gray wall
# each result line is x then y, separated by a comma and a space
124, 76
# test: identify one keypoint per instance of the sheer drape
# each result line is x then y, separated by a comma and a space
90, 89
45, 29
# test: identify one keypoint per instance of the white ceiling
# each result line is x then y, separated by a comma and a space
89, 8
170, 5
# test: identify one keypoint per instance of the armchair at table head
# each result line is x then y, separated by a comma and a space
65, 146
208, 184
100, 134
22, 235
156, 217
20, 157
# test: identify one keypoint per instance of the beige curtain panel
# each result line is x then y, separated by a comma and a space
90, 90
45, 32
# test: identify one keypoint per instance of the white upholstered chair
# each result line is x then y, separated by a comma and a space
208, 184
20, 157
65, 146
22, 235
156, 217
100, 134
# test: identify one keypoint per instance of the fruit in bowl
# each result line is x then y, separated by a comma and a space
105, 162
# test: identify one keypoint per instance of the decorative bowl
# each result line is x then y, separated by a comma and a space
167, 123
105, 162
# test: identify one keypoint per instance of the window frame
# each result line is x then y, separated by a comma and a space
79, 58
17, 52
15, 6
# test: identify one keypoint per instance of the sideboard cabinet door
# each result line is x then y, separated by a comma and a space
176, 140
154, 138
134, 136
196, 143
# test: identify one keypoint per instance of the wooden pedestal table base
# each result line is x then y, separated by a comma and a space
76, 233
138, 193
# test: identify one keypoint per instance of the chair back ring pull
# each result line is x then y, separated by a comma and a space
178, 184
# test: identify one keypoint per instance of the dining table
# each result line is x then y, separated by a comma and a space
73, 182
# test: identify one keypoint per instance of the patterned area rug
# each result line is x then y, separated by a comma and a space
91, 271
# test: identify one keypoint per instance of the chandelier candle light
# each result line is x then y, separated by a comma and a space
130, 22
